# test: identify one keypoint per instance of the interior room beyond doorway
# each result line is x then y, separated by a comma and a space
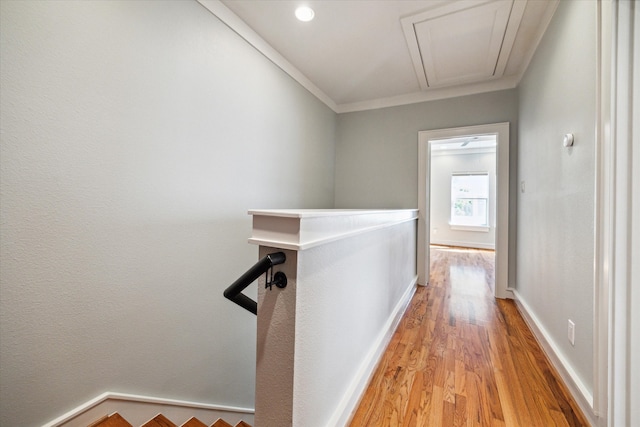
463, 192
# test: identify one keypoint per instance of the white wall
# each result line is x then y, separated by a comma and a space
556, 212
377, 151
135, 136
353, 288
443, 165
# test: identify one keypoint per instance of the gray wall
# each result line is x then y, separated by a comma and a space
556, 212
443, 165
135, 136
377, 150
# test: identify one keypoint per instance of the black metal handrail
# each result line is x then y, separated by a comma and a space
234, 291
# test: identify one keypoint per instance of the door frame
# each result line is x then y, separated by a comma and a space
501, 131
616, 342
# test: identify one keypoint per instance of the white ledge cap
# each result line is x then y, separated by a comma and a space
300, 229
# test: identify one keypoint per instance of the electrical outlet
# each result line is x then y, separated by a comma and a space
571, 332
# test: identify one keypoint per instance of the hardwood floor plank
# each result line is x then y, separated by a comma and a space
460, 417
474, 414
448, 413
450, 387
435, 414
462, 358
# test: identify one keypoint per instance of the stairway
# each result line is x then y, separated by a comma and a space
116, 420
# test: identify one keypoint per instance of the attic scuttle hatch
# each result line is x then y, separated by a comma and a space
463, 42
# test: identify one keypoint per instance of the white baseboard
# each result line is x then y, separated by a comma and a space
578, 390
140, 409
458, 243
356, 389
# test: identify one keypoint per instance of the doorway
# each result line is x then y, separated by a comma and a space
462, 192
427, 143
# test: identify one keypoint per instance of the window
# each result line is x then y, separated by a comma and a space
470, 200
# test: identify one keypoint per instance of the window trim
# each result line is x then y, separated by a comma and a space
467, 227
478, 228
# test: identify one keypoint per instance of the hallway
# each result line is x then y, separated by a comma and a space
462, 358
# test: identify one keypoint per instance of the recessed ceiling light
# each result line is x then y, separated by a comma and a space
305, 13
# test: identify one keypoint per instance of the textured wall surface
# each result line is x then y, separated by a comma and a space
377, 151
135, 137
556, 211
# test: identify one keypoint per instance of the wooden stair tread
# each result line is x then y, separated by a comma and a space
116, 420
99, 421
159, 421
194, 422
113, 420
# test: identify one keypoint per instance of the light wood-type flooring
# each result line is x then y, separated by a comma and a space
462, 358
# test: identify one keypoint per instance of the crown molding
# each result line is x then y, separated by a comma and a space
231, 20
431, 95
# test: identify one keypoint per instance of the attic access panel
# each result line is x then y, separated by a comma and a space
463, 41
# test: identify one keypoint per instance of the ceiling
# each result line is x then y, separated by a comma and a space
364, 54
464, 144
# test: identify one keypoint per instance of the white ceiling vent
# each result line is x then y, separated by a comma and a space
462, 42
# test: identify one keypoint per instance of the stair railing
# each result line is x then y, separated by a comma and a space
234, 291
